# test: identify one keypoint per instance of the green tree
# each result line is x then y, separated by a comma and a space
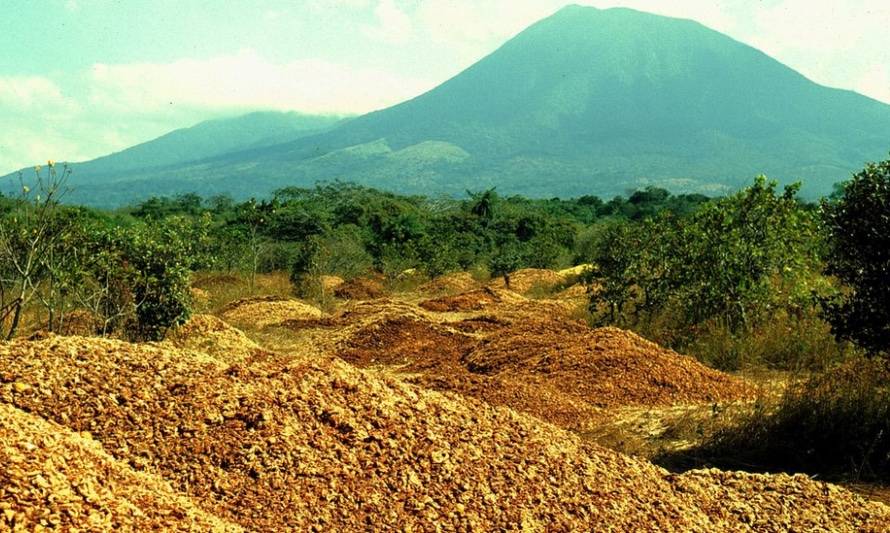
733, 260
160, 257
858, 226
735, 249
506, 259
483, 204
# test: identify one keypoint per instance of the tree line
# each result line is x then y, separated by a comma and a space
671, 264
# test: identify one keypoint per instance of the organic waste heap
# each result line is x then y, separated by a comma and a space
281, 442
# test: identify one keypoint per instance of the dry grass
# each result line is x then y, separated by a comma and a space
222, 288
834, 424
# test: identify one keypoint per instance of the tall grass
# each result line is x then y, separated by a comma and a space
835, 424
800, 342
223, 288
784, 342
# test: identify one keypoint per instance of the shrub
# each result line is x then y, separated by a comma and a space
159, 259
338, 252
726, 271
27, 240
858, 225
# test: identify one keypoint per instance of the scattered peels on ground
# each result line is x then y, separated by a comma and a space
259, 312
283, 442
53, 478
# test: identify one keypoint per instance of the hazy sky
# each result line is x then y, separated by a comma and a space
82, 78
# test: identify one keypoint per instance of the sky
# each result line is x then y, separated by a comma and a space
83, 78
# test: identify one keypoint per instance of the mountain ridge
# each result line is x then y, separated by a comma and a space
585, 101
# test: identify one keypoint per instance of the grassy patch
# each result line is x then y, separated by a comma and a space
835, 425
785, 342
222, 288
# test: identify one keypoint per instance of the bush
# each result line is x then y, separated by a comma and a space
786, 342
339, 253
160, 257
724, 272
859, 235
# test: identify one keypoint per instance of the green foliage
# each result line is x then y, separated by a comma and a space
159, 259
858, 224
506, 259
434, 236
30, 234
735, 262
735, 248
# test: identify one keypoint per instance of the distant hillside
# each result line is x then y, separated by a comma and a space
212, 138
586, 101
187, 146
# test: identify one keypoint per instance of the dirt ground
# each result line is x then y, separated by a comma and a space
385, 414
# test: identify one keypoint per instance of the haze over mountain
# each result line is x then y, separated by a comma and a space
213, 137
186, 146
586, 101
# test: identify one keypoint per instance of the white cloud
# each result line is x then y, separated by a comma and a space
248, 80
392, 25
30, 94
34, 121
124, 104
875, 82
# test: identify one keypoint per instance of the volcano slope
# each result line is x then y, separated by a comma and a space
283, 442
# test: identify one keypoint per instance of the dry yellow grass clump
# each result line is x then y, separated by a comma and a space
81, 322
53, 478
261, 311
330, 283
280, 443
200, 298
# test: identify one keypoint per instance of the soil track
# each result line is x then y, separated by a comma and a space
288, 442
